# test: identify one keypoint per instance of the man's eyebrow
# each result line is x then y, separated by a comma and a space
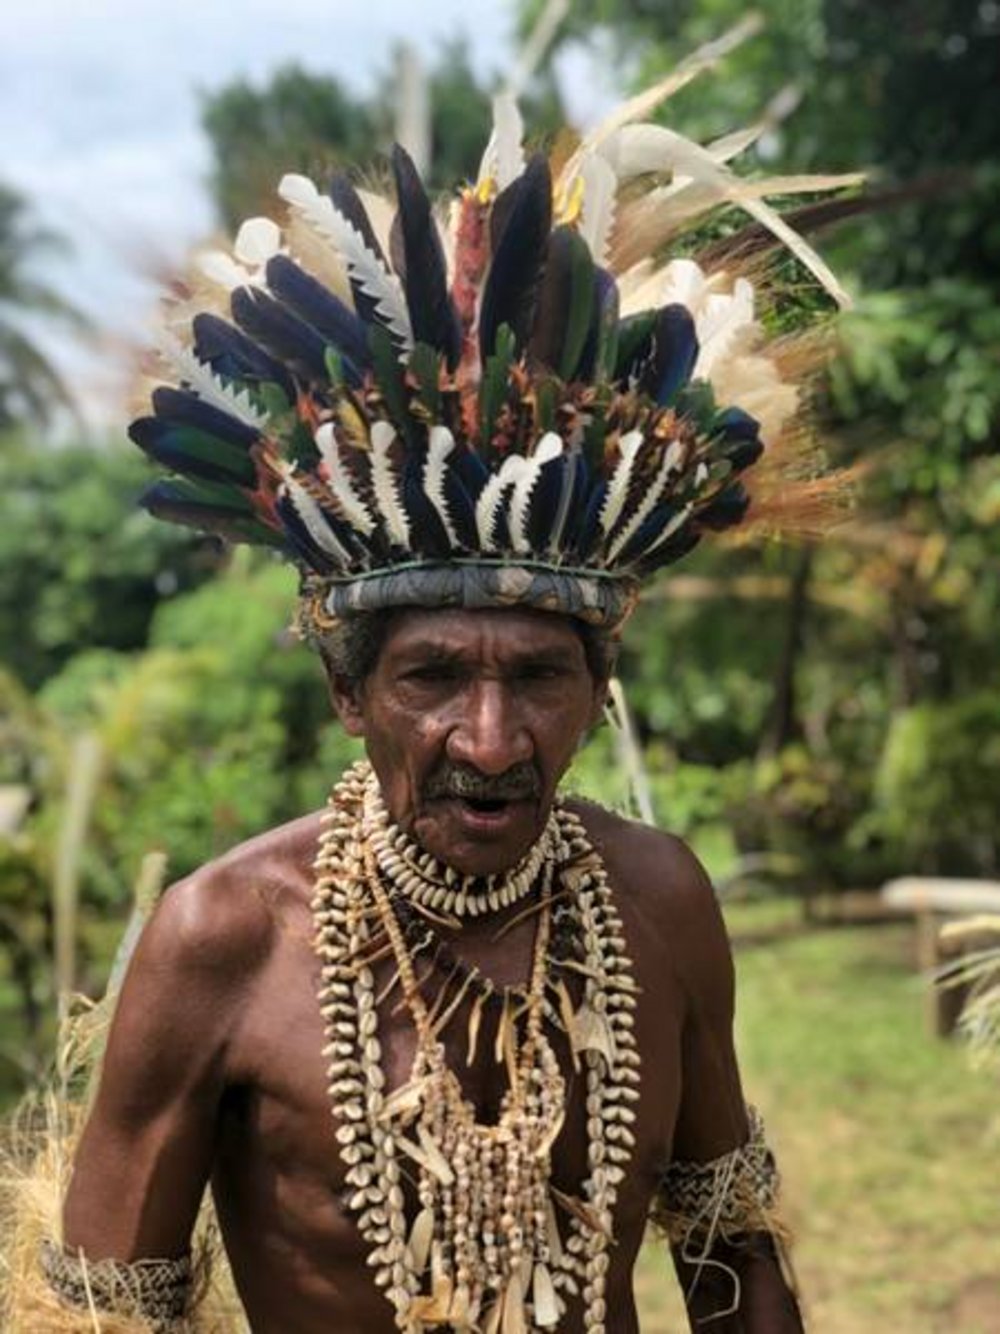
434, 651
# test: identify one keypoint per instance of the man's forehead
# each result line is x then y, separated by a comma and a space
452, 630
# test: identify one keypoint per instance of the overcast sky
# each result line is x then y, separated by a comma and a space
99, 120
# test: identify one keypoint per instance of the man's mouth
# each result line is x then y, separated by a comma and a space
484, 805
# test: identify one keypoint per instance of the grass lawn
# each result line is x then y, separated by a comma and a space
888, 1141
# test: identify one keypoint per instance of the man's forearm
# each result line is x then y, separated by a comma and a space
738, 1288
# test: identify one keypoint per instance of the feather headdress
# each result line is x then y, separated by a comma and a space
531, 403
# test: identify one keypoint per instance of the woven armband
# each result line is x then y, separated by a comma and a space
154, 1293
727, 1197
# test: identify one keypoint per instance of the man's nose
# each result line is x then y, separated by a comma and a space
490, 734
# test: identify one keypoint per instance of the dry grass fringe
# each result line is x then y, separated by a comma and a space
36, 1154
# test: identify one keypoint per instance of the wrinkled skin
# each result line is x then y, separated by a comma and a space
213, 1069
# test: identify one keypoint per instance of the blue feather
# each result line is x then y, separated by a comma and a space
588, 533
281, 333
674, 353
326, 313
544, 502
235, 357
192, 452
726, 510
739, 434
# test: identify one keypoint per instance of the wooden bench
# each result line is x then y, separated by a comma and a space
934, 902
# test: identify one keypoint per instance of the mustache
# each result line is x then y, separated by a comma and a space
520, 782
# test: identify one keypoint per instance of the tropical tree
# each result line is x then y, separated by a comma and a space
31, 389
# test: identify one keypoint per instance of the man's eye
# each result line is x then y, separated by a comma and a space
432, 674
540, 671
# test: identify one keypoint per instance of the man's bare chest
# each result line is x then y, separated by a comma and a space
286, 1121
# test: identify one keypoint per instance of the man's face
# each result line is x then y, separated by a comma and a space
470, 718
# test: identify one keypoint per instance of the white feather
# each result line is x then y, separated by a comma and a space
364, 265
256, 241
614, 501
491, 497
222, 269
637, 149
311, 514
440, 444
548, 448
207, 385
338, 479
600, 187
503, 158
669, 466
646, 102
386, 484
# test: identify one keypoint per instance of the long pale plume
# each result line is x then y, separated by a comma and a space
646, 102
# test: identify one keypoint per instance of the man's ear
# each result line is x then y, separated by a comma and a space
599, 703
346, 697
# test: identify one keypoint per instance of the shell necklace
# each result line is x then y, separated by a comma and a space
429, 883
493, 1245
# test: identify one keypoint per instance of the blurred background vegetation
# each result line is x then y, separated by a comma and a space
813, 720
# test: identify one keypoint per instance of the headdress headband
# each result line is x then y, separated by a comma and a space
514, 400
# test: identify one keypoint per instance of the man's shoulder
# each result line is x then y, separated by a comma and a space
224, 916
648, 865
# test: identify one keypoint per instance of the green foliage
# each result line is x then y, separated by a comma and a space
82, 565
309, 123
937, 788
298, 122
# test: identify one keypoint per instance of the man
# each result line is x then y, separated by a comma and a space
443, 1050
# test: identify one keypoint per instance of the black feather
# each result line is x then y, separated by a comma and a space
677, 545
187, 450
635, 345
428, 535
461, 509
183, 408
423, 270
235, 357
726, 510
326, 313
674, 353
648, 531
208, 506
510, 293
565, 303
600, 351
301, 540
281, 333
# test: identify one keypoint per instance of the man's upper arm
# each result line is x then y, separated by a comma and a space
147, 1148
711, 1119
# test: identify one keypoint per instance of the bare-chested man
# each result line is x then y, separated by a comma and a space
214, 1069
442, 1051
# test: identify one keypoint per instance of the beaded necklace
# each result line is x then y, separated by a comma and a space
493, 1246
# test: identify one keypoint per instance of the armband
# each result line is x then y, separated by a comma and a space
153, 1292
727, 1197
